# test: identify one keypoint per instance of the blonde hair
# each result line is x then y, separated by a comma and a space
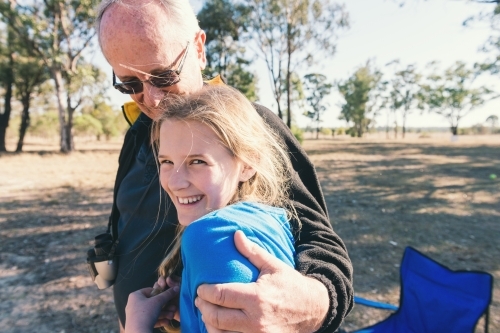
244, 133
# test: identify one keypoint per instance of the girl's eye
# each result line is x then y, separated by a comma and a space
197, 162
165, 162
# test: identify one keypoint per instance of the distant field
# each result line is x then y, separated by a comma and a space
431, 193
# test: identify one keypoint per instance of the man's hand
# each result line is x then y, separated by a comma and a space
144, 312
281, 300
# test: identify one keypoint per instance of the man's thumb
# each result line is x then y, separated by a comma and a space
260, 258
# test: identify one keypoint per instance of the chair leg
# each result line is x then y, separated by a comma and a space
486, 319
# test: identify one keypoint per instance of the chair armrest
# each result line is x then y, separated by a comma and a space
374, 304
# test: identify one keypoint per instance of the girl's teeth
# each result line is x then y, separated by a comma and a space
189, 200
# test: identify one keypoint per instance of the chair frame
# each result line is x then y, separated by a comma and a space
387, 306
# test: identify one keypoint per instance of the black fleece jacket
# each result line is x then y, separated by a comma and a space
321, 254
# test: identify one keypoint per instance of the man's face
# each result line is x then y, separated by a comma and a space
137, 42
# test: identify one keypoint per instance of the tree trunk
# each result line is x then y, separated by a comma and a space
454, 130
9, 81
58, 81
69, 131
404, 124
387, 125
25, 123
288, 79
4, 118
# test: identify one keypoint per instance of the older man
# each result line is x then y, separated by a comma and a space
155, 48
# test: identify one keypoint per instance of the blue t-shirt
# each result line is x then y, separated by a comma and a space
210, 256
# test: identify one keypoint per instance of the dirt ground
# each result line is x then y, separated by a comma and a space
434, 194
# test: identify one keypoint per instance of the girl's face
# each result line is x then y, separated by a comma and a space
198, 173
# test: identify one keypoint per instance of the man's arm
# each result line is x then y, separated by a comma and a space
321, 255
262, 299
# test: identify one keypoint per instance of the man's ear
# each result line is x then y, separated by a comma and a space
199, 45
246, 173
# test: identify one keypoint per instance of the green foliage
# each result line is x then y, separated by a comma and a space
326, 131
87, 125
453, 95
111, 122
405, 92
223, 22
298, 133
316, 89
358, 92
45, 125
493, 120
57, 32
290, 35
340, 131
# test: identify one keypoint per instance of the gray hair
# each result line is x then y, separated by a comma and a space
180, 12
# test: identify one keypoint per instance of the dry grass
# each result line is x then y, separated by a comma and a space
432, 194
429, 193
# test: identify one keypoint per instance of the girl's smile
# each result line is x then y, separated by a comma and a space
198, 172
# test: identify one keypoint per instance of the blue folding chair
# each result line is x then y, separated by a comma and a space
434, 299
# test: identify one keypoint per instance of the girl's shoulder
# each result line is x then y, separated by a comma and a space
241, 216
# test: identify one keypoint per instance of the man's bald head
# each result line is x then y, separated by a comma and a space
179, 20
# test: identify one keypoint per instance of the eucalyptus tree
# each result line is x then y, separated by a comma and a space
30, 73
316, 89
58, 31
453, 94
292, 34
493, 120
405, 92
224, 22
360, 102
6, 69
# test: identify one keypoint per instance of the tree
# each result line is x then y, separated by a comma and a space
358, 92
290, 34
224, 22
58, 31
405, 93
493, 120
453, 95
7, 72
111, 121
30, 73
316, 89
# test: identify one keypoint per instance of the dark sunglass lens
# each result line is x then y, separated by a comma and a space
129, 88
166, 79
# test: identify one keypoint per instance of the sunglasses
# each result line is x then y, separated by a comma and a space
160, 80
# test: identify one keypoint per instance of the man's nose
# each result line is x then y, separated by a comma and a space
152, 95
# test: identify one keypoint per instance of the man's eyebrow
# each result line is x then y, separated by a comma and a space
127, 78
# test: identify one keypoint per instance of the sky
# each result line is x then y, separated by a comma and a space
417, 33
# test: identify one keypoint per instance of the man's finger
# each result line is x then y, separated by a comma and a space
227, 295
219, 319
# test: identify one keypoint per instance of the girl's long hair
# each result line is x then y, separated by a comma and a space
247, 137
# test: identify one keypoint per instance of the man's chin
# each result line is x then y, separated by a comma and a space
151, 113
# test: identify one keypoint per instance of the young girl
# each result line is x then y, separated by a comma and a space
224, 170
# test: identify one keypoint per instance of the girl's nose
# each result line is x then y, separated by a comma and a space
178, 179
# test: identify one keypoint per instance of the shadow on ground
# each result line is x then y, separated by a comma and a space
439, 199
44, 283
